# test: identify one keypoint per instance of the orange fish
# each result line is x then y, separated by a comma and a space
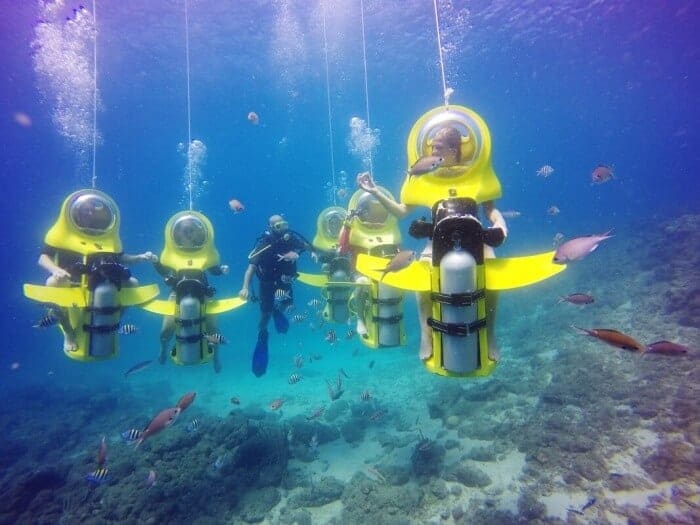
613, 338
186, 400
276, 404
236, 206
102, 453
253, 118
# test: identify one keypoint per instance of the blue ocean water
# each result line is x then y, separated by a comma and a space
570, 84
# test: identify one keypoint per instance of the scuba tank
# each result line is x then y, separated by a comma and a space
389, 315
460, 352
104, 320
188, 331
337, 297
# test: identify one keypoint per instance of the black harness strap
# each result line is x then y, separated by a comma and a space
392, 319
186, 323
458, 299
101, 328
194, 338
456, 329
103, 310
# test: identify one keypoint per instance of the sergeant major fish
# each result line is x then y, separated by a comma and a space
97, 477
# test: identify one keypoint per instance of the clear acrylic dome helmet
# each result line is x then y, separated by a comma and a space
93, 213
189, 232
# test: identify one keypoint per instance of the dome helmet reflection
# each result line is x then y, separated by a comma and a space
189, 233
454, 130
370, 211
93, 213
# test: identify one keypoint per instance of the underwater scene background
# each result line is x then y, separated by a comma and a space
567, 429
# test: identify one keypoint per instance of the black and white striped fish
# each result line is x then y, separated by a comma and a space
131, 435
49, 319
282, 295
294, 378
127, 329
215, 339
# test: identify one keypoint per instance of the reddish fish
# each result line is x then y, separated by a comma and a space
578, 248
162, 421
102, 454
601, 173
667, 348
613, 338
400, 261
186, 401
577, 298
276, 404
253, 118
236, 206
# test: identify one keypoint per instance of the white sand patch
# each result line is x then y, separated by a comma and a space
558, 503
504, 475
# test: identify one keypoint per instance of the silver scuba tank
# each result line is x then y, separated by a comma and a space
338, 298
104, 320
189, 331
389, 307
457, 276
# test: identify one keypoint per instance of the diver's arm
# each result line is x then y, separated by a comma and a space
141, 257
54, 269
243, 294
397, 209
495, 216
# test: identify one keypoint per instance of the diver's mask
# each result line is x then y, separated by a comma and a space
280, 226
92, 213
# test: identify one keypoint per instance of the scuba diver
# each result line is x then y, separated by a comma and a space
274, 261
189, 254
89, 282
457, 278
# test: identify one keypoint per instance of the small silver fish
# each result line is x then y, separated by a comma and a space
553, 211
400, 261
138, 367
511, 214
578, 248
425, 165
577, 298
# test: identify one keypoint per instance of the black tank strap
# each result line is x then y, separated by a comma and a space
101, 328
392, 301
186, 323
458, 299
194, 338
456, 329
103, 310
391, 319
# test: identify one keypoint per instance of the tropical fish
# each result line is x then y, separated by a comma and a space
545, 171
425, 165
215, 339
667, 348
371, 363
331, 337
377, 415
236, 206
97, 477
127, 329
138, 367
613, 338
219, 462
578, 248
192, 426
400, 261
293, 379
577, 298
102, 453
49, 319
313, 445
601, 173
316, 414
299, 318
349, 334
298, 360
314, 303
15, 366
553, 211
253, 118
366, 395
282, 295
276, 404
186, 400
342, 372
164, 419
235, 400
131, 435
586, 505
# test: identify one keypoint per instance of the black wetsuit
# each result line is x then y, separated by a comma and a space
275, 274
173, 277
77, 265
